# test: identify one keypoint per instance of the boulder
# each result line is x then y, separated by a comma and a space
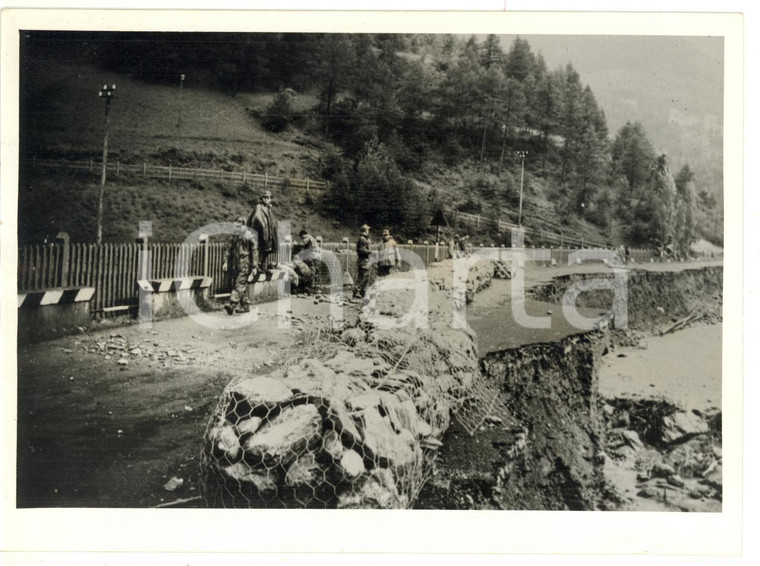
262, 391
344, 425
262, 480
389, 448
248, 426
226, 444
286, 437
681, 426
352, 464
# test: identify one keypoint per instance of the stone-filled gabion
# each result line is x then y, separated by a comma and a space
352, 421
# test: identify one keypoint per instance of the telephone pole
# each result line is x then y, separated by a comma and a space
521, 155
107, 93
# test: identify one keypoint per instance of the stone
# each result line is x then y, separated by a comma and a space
123, 362
384, 443
287, 436
676, 480
352, 464
367, 400
318, 370
248, 426
682, 425
263, 391
173, 483
662, 470
304, 471
631, 437
242, 473
226, 442
378, 491
332, 445
344, 426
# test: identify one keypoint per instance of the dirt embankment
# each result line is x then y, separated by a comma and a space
654, 298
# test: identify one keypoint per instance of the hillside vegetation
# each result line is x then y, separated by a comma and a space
399, 126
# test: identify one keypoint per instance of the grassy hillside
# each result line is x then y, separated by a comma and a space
62, 117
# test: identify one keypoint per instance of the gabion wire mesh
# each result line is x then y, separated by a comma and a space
330, 428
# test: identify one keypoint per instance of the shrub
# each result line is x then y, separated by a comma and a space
279, 113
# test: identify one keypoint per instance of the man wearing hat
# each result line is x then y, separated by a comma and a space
389, 256
263, 223
239, 265
363, 253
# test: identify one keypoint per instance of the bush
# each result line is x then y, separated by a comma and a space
279, 113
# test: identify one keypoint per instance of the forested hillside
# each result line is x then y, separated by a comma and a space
399, 125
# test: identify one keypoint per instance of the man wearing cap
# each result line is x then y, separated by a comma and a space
388, 255
238, 265
363, 253
263, 223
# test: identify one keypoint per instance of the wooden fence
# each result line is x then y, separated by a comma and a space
114, 268
115, 168
542, 236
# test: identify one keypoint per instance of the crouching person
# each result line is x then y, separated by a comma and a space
238, 266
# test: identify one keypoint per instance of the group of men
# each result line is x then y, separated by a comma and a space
253, 250
388, 258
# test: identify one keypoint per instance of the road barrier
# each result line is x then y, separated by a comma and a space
113, 269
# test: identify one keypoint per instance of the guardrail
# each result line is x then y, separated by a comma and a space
113, 268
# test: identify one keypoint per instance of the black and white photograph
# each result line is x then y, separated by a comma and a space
369, 268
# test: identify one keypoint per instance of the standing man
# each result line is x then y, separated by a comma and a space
238, 265
263, 223
363, 253
389, 256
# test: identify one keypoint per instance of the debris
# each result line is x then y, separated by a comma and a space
179, 501
123, 362
173, 483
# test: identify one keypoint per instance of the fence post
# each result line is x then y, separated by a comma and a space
477, 220
118, 167
90, 165
34, 162
244, 176
170, 172
145, 169
64, 238
307, 185
203, 239
266, 180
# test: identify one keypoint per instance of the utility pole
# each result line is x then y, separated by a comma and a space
179, 106
107, 92
521, 155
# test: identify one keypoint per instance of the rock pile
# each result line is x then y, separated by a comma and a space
123, 352
676, 453
353, 421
